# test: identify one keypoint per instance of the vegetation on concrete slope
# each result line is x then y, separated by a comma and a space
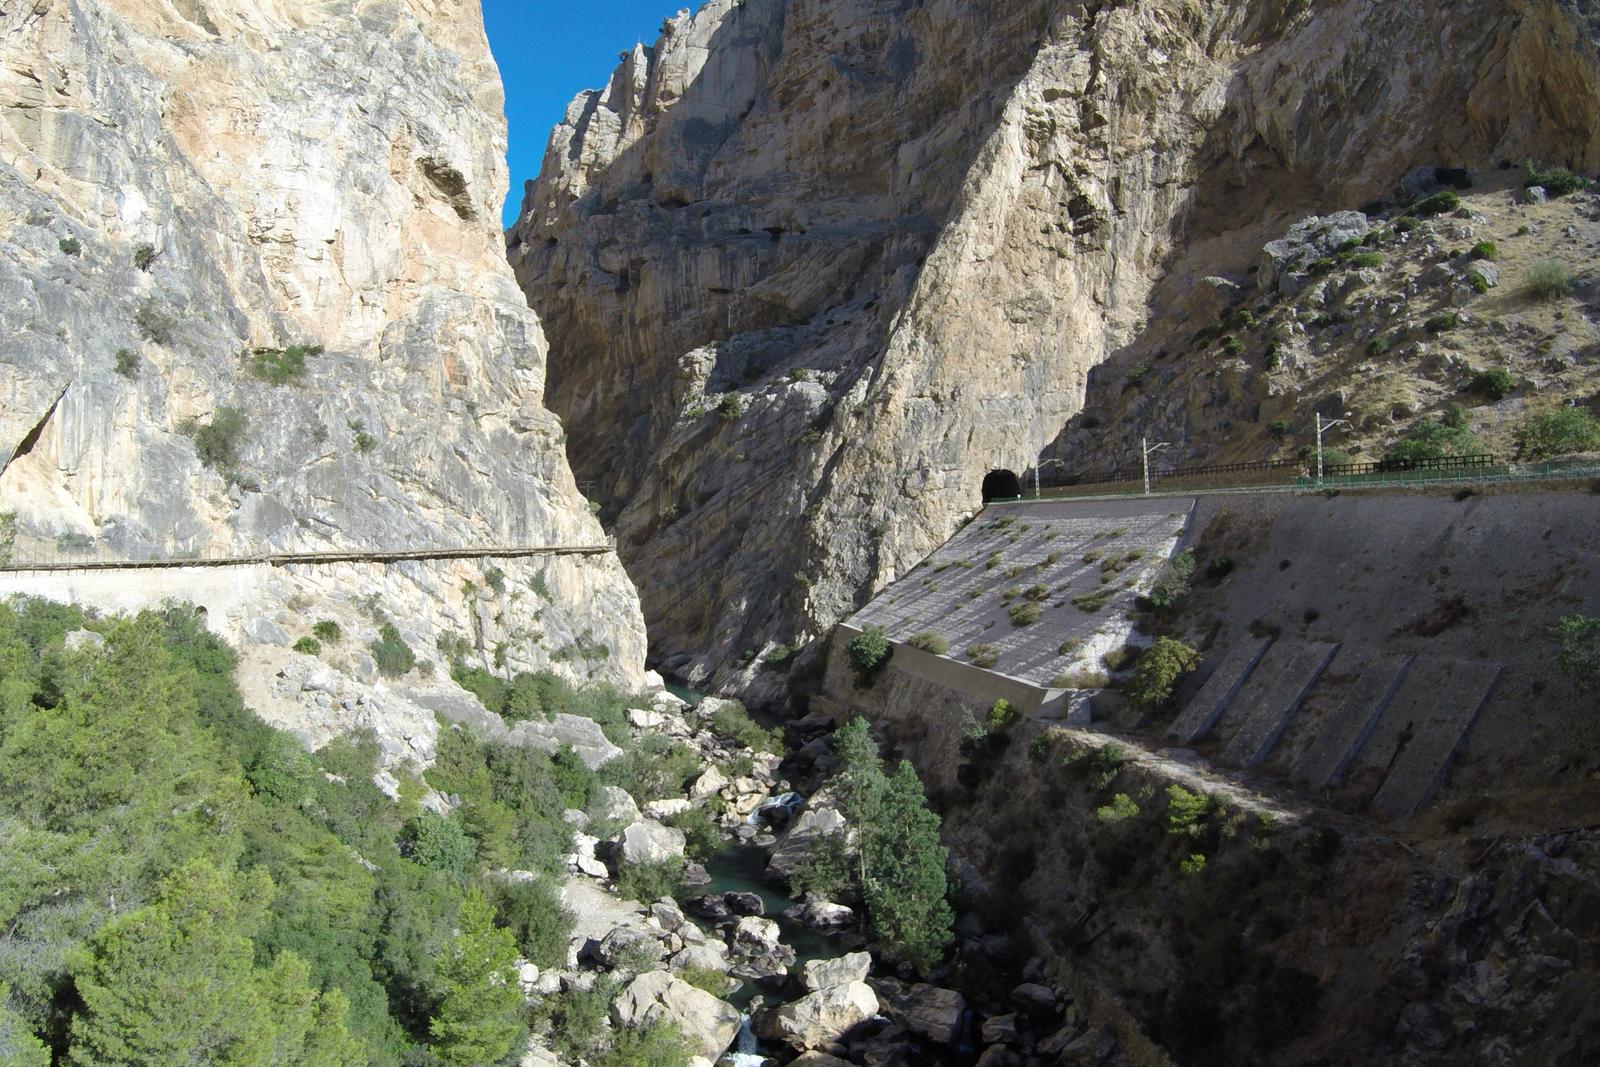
1158, 671
183, 884
869, 652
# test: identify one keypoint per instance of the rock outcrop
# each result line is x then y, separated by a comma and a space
811, 270
255, 301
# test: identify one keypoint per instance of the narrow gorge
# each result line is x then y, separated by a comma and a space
940, 532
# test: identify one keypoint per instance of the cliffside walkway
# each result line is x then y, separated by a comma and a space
65, 560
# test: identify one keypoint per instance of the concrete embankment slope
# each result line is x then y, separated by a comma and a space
1397, 861
1373, 652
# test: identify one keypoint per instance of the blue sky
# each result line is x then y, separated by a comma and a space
550, 51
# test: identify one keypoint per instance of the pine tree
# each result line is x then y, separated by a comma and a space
175, 982
906, 886
479, 1019
18, 1046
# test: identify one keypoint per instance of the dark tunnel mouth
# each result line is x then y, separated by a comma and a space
1001, 485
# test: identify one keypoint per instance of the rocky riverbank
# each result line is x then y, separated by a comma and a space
749, 975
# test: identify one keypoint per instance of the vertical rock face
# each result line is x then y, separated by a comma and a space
187, 185
812, 269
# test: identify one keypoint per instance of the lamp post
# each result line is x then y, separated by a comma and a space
1037, 467
1323, 425
1149, 450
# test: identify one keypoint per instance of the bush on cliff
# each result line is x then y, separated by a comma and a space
869, 653
1158, 671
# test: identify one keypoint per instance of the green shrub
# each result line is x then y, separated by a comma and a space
1185, 810
1379, 345
1492, 385
1485, 250
154, 324
1368, 259
363, 440
70, 246
1437, 204
217, 442
730, 407
1436, 439
702, 837
650, 881
1280, 427
1445, 320
1091, 603
1577, 641
127, 363
1024, 613
869, 652
1322, 265
1406, 223
309, 646
1558, 432
929, 641
1002, 715
390, 652
1158, 671
439, 842
778, 657
144, 255
281, 366
1232, 346
732, 721
1105, 763
1194, 863
532, 910
714, 982
985, 656
1479, 282
1549, 279
1173, 583
1137, 375
1121, 809
1556, 181
328, 630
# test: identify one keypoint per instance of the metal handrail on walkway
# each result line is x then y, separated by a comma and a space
284, 559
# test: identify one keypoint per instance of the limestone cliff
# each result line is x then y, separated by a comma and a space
812, 269
197, 194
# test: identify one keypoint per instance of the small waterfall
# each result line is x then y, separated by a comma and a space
745, 1047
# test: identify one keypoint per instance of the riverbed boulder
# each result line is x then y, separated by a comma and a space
925, 1010
1037, 1002
815, 823
825, 974
818, 1059
630, 947
753, 935
647, 841
820, 914
745, 903
708, 1024
709, 956
708, 785
713, 906
821, 1018
615, 804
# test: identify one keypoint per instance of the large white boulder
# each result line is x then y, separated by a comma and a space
709, 1024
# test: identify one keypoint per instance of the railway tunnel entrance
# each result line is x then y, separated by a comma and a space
1001, 485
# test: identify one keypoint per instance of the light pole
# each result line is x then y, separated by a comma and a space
1323, 425
1037, 467
1149, 450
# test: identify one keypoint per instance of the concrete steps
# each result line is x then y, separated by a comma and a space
1271, 696
1419, 768
1218, 692
1343, 735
